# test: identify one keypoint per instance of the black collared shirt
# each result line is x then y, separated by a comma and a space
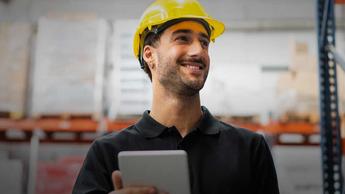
222, 159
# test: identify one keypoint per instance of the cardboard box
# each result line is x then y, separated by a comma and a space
128, 85
298, 90
14, 62
69, 66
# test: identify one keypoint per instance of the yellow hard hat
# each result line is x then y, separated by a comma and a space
162, 11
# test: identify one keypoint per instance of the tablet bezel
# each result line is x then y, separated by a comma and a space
167, 170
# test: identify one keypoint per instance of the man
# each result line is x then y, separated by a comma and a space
171, 44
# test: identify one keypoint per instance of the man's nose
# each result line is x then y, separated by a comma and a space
195, 48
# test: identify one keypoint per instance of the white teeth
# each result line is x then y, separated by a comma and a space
193, 67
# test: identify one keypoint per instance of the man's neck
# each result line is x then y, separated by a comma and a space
183, 112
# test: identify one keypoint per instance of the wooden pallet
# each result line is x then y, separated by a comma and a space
11, 115
251, 122
240, 119
67, 116
299, 117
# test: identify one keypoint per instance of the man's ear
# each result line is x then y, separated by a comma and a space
149, 56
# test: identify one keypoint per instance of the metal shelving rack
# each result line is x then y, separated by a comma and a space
329, 115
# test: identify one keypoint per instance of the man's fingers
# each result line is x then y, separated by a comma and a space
136, 190
118, 186
140, 190
117, 180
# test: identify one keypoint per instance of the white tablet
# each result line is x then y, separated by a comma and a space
166, 170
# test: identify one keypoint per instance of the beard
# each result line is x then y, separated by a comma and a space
173, 79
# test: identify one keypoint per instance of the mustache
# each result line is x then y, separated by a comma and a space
198, 60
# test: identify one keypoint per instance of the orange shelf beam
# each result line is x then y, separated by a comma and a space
50, 125
78, 126
292, 127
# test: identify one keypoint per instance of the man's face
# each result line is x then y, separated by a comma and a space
182, 59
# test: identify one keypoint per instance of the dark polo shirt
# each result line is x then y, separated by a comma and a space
222, 158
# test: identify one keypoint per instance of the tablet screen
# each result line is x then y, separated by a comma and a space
167, 170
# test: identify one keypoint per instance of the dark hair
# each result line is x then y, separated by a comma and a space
150, 39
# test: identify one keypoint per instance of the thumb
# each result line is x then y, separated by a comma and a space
117, 180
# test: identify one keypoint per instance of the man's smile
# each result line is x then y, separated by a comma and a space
194, 65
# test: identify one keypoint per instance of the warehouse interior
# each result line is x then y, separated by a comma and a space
68, 76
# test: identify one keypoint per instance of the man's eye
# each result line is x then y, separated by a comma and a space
205, 43
182, 38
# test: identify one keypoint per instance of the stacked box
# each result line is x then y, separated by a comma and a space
14, 61
229, 90
129, 87
297, 94
298, 89
68, 69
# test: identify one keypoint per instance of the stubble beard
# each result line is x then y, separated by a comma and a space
171, 79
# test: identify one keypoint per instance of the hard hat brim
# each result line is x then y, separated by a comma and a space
217, 28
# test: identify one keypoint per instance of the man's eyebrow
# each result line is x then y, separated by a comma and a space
204, 35
186, 31
182, 31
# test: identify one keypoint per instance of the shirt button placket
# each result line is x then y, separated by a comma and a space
174, 137
179, 146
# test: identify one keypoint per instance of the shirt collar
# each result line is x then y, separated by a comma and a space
208, 124
151, 128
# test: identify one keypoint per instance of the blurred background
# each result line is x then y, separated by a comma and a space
68, 75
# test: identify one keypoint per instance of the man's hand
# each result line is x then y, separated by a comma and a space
118, 186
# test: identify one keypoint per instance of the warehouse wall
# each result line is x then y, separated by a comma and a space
3, 11
257, 37
230, 11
